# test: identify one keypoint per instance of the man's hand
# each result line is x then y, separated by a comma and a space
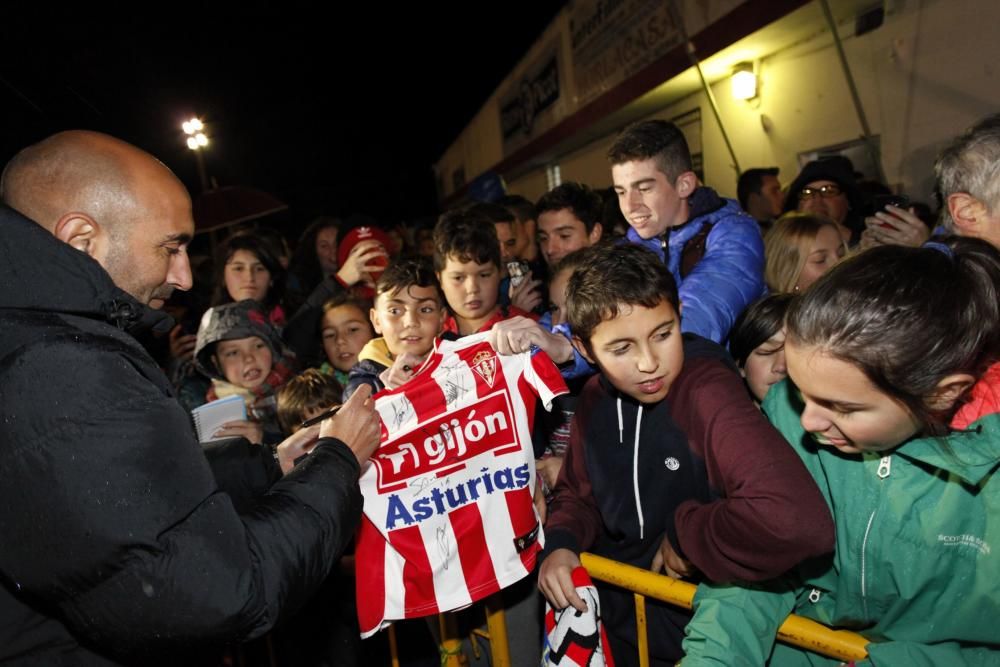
402, 370
361, 261
527, 295
548, 469
181, 345
555, 580
898, 226
667, 560
245, 428
518, 334
297, 444
356, 424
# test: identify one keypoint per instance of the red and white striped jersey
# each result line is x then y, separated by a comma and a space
448, 516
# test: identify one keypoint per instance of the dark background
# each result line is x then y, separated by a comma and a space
335, 111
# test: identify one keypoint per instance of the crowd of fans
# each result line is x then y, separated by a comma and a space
790, 399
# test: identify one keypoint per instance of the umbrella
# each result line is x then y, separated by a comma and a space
231, 205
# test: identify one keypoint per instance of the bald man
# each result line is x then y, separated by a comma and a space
118, 545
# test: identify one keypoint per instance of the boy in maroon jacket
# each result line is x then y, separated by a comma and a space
670, 465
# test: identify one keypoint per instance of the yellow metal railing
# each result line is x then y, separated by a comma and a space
796, 630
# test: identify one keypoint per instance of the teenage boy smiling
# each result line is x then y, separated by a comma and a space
713, 249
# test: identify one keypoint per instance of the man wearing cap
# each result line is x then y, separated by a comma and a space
827, 187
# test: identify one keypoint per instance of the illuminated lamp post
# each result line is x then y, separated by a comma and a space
197, 141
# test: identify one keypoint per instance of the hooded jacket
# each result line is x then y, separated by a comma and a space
373, 358
235, 321
703, 468
730, 274
118, 545
917, 564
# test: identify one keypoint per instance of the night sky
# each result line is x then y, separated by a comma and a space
332, 115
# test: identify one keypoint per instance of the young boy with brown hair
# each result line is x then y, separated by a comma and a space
670, 466
409, 313
305, 396
468, 265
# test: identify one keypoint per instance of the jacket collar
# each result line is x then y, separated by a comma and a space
43, 274
971, 455
376, 350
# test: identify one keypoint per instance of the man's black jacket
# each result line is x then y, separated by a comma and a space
118, 546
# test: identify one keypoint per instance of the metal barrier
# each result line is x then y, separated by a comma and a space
796, 630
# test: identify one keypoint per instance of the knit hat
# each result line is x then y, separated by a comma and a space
836, 168
233, 321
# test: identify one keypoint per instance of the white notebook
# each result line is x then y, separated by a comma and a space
209, 417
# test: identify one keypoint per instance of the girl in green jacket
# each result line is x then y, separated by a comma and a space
894, 410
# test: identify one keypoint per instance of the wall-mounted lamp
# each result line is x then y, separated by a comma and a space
744, 81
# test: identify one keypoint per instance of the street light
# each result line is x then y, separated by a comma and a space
196, 141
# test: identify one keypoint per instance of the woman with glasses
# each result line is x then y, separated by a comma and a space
827, 188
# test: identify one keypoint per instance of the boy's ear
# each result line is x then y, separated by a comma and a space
582, 349
595, 233
686, 184
373, 316
949, 390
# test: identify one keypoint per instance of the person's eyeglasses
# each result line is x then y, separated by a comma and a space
824, 191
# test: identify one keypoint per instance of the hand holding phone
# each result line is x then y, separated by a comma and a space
894, 226
881, 201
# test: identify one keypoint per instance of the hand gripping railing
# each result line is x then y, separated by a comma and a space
796, 630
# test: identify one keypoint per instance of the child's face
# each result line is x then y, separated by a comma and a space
245, 362
409, 319
246, 277
843, 409
640, 351
560, 233
471, 289
825, 252
765, 366
345, 332
557, 296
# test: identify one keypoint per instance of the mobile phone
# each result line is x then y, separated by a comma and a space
881, 201
899, 201
518, 271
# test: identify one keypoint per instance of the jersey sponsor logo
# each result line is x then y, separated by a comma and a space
485, 366
441, 445
405, 512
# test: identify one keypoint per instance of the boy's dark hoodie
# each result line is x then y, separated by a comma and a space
703, 467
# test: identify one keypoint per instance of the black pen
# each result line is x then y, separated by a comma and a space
320, 417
